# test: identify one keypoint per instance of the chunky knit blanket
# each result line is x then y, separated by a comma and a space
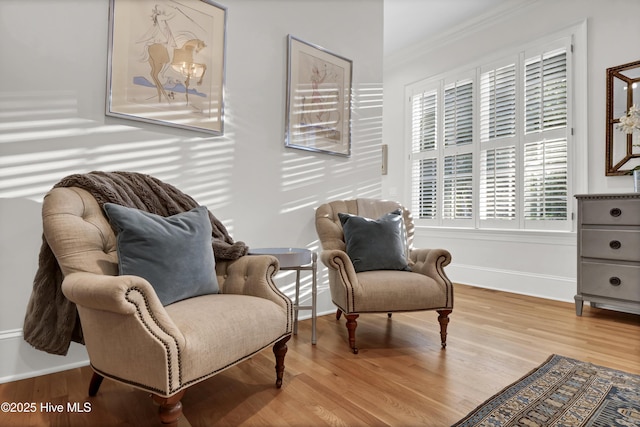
51, 321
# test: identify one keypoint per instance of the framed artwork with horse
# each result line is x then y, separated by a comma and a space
166, 63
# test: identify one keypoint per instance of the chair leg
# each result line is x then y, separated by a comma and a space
94, 385
170, 409
338, 314
351, 327
280, 350
443, 318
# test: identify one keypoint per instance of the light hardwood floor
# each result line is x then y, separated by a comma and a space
401, 377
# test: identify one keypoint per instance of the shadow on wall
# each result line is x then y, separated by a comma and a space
309, 179
42, 139
303, 170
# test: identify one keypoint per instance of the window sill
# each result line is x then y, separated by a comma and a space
567, 238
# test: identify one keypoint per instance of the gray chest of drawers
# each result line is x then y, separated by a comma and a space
609, 250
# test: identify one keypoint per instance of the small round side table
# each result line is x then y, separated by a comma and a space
298, 259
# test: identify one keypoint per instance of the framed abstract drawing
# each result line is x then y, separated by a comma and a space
318, 106
166, 63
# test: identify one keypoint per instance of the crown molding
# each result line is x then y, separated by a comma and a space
457, 32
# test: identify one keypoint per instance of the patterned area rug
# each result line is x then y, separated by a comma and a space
563, 392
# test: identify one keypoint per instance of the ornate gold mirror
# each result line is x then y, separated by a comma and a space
623, 136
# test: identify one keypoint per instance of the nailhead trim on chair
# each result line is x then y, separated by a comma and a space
166, 345
172, 390
272, 285
448, 304
347, 281
446, 280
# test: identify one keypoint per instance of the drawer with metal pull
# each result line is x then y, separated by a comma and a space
611, 212
621, 245
611, 280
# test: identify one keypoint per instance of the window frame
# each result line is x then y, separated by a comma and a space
576, 112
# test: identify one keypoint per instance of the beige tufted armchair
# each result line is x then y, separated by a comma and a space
425, 287
132, 338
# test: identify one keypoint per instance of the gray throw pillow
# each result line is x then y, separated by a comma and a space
173, 253
375, 244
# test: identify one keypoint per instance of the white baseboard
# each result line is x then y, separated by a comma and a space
525, 283
20, 360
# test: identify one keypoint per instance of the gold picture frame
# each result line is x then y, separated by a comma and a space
318, 107
166, 63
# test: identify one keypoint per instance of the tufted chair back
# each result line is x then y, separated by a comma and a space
78, 232
329, 227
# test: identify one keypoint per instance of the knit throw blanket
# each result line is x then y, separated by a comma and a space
51, 321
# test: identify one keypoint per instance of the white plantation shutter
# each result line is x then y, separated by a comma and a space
545, 180
423, 121
546, 91
424, 170
498, 102
545, 191
457, 165
498, 184
458, 187
425, 181
498, 172
458, 113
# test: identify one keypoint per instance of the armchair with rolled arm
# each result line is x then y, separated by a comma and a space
425, 287
132, 338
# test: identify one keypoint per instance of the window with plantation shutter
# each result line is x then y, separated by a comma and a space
546, 91
545, 180
491, 149
458, 187
498, 184
498, 168
425, 184
424, 170
458, 114
498, 102
457, 154
545, 189
423, 122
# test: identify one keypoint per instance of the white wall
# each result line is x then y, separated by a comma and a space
52, 123
542, 264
